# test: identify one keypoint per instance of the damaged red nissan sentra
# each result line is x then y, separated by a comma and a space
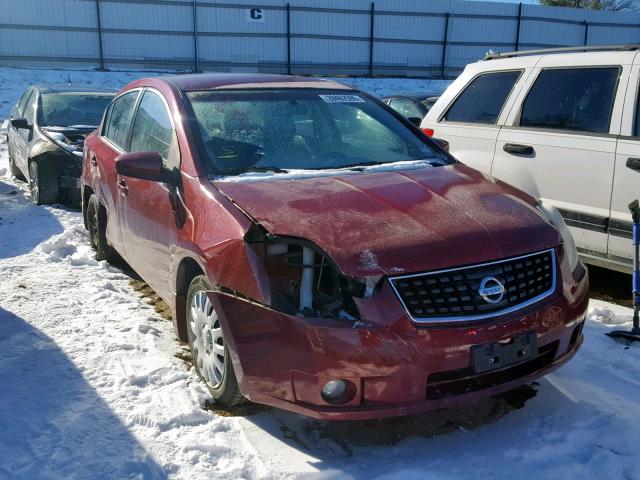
321, 255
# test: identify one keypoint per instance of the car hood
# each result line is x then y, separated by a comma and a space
389, 223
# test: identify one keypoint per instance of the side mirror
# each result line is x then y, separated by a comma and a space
443, 144
142, 165
415, 120
633, 163
20, 123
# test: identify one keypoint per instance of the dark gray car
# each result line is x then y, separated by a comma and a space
46, 137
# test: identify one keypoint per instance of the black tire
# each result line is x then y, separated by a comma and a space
13, 168
227, 392
43, 183
97, 226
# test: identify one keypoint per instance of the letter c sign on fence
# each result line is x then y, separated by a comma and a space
255, 15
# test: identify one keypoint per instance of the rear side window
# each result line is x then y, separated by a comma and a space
153, 132
578, 99
120, 118
482, 100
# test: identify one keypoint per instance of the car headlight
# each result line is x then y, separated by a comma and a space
554, 216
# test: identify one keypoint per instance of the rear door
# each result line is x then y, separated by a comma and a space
470, 112
148, 218
626, 180
559, 142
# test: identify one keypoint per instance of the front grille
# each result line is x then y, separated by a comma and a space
454, 294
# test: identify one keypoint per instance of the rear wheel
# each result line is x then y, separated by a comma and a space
97, 226
43, 183
209, 349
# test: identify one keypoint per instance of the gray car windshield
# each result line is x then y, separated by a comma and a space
301, 129
73, 109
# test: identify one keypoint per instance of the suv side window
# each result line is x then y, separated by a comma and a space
578, 99
153, 131
120, 119
636, 127
482, 100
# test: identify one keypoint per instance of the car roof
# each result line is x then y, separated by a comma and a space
214, 81
73, 89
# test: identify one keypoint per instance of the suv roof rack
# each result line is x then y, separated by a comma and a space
595, 48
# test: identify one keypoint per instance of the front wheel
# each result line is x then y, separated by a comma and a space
43, 183
209, 350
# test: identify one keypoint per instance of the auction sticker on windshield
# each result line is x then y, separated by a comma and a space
342, 98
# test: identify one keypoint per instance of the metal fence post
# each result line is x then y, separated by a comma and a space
372, 15
586, 33
99, 25
443, 60
518, 27
196, 60
289, 38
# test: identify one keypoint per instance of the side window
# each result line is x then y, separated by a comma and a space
406, 108
482, 100
23, 100
579, 99
153, 132
30, 108
105, 120
120, 119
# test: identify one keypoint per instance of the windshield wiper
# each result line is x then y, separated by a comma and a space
237, 171
363, 165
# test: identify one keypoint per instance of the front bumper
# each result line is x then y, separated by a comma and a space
397, 367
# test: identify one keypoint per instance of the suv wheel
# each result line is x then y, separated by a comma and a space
208, 347
97, 226
43, 183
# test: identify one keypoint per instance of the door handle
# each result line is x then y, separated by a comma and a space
633, 163
518, 149
94, 161
122, 185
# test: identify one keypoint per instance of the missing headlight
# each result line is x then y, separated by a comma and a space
305, 282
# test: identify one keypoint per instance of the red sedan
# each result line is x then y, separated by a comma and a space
320, 254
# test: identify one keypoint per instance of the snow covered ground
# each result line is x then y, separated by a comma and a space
91, 385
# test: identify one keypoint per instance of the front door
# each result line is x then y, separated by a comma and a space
559, 146
148, 216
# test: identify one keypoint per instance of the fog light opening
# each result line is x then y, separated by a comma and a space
336, 392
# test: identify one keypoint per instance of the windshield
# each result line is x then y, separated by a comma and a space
301, 129
73, 109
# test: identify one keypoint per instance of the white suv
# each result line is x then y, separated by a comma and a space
561, 124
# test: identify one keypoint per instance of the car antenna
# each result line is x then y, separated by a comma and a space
634, 334
69, 79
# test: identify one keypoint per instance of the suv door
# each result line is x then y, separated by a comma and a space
626, 180
559, 142
470, 112
148, 217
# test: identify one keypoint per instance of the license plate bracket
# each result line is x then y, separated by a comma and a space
497, 355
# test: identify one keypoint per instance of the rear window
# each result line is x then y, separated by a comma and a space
579, 99
482, 100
